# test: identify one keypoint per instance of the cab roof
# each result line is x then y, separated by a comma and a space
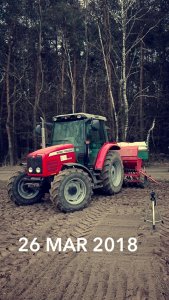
78, 116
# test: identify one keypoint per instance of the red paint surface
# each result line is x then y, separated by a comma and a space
50, 149
52, 165
102, 154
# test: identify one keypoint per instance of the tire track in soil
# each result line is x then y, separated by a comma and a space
88, 219
95, 284
163, 252
89, 275
41, 229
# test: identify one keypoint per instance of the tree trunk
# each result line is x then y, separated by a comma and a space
109, 84
86, 59
39, 77
9, 109
141, 92
62, 76
1, 120
124, 78
74, 86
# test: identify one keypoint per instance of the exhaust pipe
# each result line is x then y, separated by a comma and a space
43, 133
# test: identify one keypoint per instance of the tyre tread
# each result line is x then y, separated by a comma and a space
107, 187
13, 196
56, 191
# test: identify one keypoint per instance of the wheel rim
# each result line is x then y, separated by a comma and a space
75, 191
116, 173
27, 190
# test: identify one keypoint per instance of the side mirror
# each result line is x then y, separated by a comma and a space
95, 124
38, 129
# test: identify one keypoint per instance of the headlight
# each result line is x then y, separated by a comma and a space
38, 170
30, 170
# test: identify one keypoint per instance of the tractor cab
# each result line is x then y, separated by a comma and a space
85, 131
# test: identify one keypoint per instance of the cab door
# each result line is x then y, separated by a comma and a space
96, 136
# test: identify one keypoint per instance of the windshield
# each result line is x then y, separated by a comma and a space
70, 132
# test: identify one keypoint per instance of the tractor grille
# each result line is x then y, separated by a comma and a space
34, 162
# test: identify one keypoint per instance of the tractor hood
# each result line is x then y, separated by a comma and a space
53, 150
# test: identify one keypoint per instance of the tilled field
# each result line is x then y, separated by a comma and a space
141, 274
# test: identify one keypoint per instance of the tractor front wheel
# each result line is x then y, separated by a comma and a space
112, 173
71, 190
22, 191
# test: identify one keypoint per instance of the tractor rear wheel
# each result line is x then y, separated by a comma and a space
71, 190
22, 192
112, 173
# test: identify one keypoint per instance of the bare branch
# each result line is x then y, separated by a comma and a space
141, 37
129, 74
149, 131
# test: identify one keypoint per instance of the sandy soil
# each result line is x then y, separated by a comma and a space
143, 274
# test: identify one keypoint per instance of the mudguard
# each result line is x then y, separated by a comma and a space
103, 152
79, 166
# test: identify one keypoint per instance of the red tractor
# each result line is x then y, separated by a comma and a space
79, 159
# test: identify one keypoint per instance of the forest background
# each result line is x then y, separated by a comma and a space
102, 57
